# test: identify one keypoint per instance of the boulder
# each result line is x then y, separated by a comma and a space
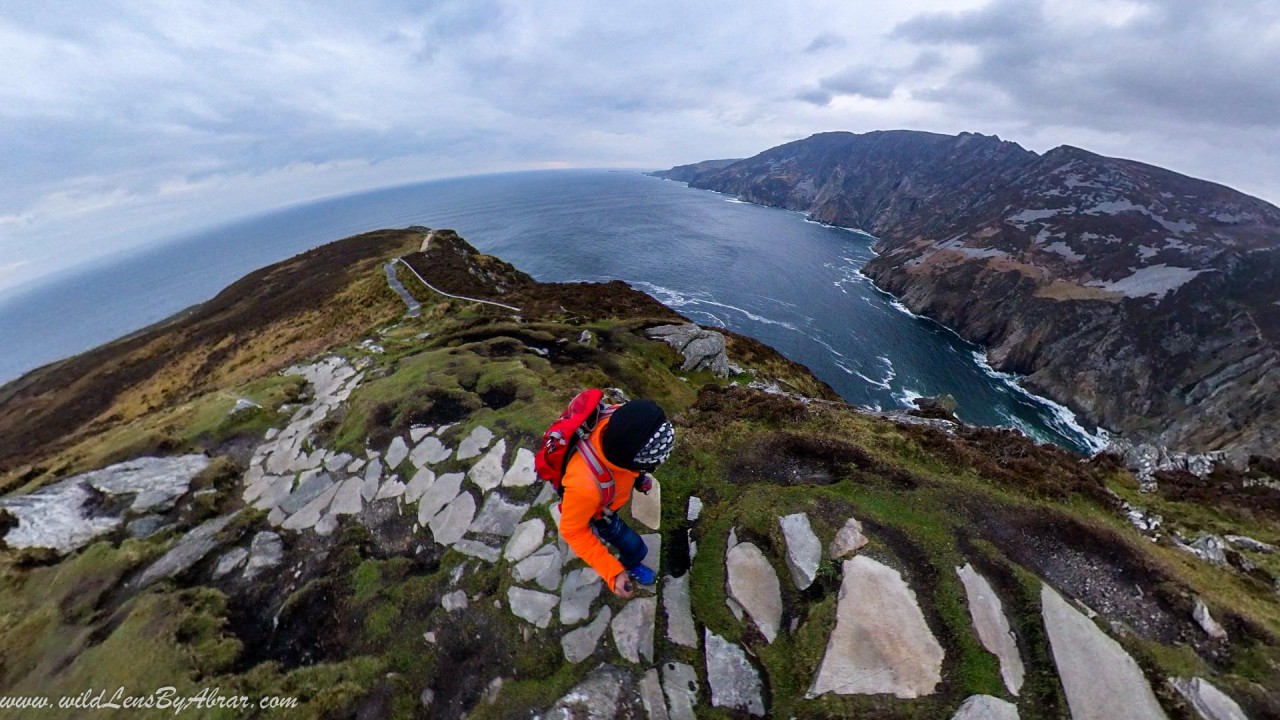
702, 349
487, 472
734, 681
646, 508
1101, 680
521, 472
633, 629
526, 538
1210, 702
993, 627
1206, 622
804, 550
985, 707
578, 645
848, 540
680, 684
531, 605
754, 585
675, 600
881, 642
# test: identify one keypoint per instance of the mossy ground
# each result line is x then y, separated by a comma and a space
350, 637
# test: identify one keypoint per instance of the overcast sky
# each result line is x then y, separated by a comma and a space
123, 123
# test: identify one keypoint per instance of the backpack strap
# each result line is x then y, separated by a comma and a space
605, 483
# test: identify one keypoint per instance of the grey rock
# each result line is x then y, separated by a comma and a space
374, 470
397, 451
653, 551
531, 605
265, 552
427, 697
231, 560
985, 707
356, 466
419, 485
309, 514
695, 508
243, 405
477, 549
633, 629
1212, 548
368, 490
702, 349
474, 443
392, 488
191, 549
1245, 542
848, 540
526, 538
804, 550
347, 500
521, 473
993, 627
1210, 702
308, 490
578, 645
597, 697
675, 600
417, 432
498, 517
546, 558
1206, 622
325, 526
680, 618
646, 508
546, 495
487, 472
430, 452
456, 600
754, 585
276, 517
147, 526
581, 587
338, 462
277, 491
452, 522
1101, 680
651, 695
440, 494
734, 681
680, 683
881, 642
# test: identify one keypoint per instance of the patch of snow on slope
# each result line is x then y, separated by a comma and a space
1153, 281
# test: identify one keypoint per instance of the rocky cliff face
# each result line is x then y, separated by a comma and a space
1148, 300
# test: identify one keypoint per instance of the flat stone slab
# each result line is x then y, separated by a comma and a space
597, 697
580, 588
325, 526
804, 550
477, 549
309, 514
1210, 702
392, 488
651, 695
993, 627
526, 538
694, 510
848, 540
675, 600
233, 559
309, 489
373, 471
190, 550
475, 443
734, 681
754, 586
397, 451
646, 508
521, 472
348, 501
498, 517
653, 551
985, 707
275, 491
265, 552
1101, 680
531, 605
680, 684
368, 489
578, 645
881, 642
417, 432
440, 494
419, 484
454, 601
451, 523
633, 629
430, 452
487, 472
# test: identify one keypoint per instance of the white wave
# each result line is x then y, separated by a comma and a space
827, 345
736, 201
877, 383
905, 396
675, 299
1061, 417
890, 371
749, 314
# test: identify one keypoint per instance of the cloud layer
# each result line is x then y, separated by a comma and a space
120, 122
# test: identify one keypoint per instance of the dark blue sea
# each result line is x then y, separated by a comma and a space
764, 272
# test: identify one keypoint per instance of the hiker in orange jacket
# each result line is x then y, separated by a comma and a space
631, 442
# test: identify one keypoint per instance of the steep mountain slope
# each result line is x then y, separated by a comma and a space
371, 542
1144, 298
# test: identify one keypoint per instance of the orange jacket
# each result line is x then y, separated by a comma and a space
581, 502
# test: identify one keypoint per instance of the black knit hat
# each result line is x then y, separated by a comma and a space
630, 428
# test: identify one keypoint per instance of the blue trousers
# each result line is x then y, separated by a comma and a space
631, 549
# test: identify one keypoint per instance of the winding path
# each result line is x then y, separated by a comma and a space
415, 307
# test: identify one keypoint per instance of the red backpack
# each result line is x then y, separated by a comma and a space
569, 434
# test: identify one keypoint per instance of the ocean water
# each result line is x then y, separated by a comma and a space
768, 273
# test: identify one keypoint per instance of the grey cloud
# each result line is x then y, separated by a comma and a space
815, 96
826, 41
868, 82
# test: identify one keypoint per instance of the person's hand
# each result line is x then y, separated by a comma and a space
644, 483
622, 585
